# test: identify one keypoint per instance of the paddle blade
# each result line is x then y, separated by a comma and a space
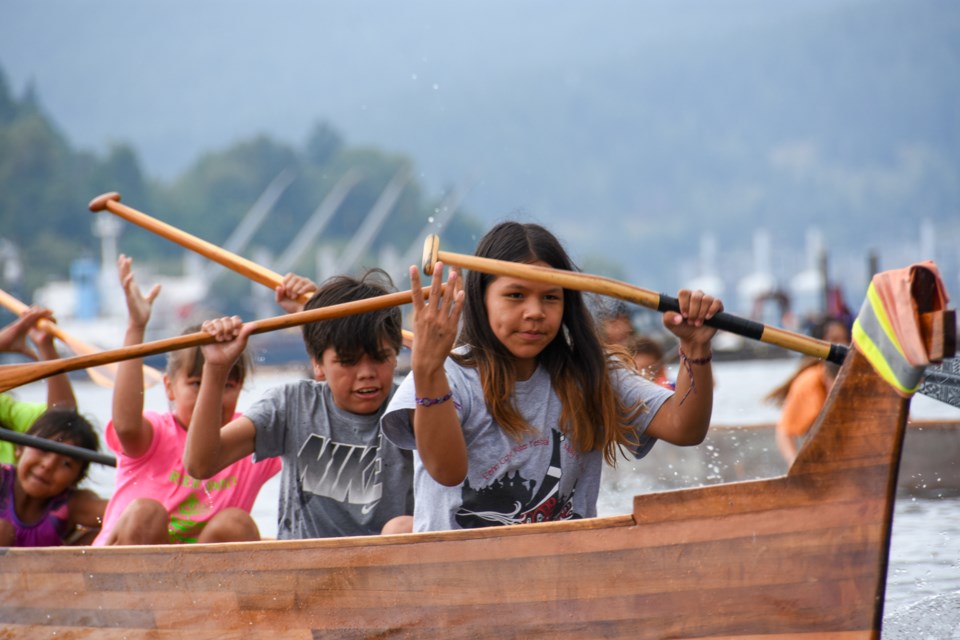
104, 375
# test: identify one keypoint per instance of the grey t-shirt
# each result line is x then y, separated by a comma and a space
340, 476
541, 477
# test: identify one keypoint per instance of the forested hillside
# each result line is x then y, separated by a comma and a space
46, 184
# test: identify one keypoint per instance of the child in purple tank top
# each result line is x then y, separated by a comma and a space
40, 504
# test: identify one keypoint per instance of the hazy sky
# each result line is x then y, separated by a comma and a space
459, 87
153, 72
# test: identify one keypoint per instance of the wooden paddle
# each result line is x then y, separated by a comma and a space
79, 453
617, 289
941, 381
111, 202
14, 375
104, 376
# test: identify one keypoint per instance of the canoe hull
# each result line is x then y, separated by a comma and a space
802, 555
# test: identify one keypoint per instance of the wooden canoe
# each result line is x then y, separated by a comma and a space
797, 556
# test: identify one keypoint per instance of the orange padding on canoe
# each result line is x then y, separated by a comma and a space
894, 289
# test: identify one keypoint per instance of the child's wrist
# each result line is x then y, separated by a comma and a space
703, 359
220, 369
429, 376
696, 352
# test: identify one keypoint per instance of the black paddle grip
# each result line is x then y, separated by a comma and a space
27, 440
723, 320
743, 327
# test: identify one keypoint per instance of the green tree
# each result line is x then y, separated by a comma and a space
45, 186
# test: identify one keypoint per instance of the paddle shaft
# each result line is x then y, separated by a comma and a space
63, 448
644, 297
15, 375
257, 273
111, 202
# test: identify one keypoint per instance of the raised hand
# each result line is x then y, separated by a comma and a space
44, 341
435, 323
13, 337
138, 305
291, 290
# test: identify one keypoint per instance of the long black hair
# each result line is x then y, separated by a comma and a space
592, 414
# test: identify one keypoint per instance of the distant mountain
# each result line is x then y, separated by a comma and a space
631, 128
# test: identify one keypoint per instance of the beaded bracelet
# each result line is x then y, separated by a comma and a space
688, 363
703, 360
429, 402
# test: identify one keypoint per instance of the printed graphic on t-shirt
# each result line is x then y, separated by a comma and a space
190, 516
185, 526
343, 472
512, 499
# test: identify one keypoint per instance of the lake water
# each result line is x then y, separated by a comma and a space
923, 581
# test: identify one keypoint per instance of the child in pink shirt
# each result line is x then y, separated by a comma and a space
155, 500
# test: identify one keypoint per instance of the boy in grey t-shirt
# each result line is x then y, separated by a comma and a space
340, 476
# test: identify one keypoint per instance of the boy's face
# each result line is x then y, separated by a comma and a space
359, 387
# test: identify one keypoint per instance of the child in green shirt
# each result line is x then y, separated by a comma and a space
16, 415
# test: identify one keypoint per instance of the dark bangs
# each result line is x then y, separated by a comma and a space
358, 334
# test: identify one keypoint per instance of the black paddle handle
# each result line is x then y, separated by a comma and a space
57, 447
754, 330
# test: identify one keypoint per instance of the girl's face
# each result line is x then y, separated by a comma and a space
44, 475
525, 316
182, 391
